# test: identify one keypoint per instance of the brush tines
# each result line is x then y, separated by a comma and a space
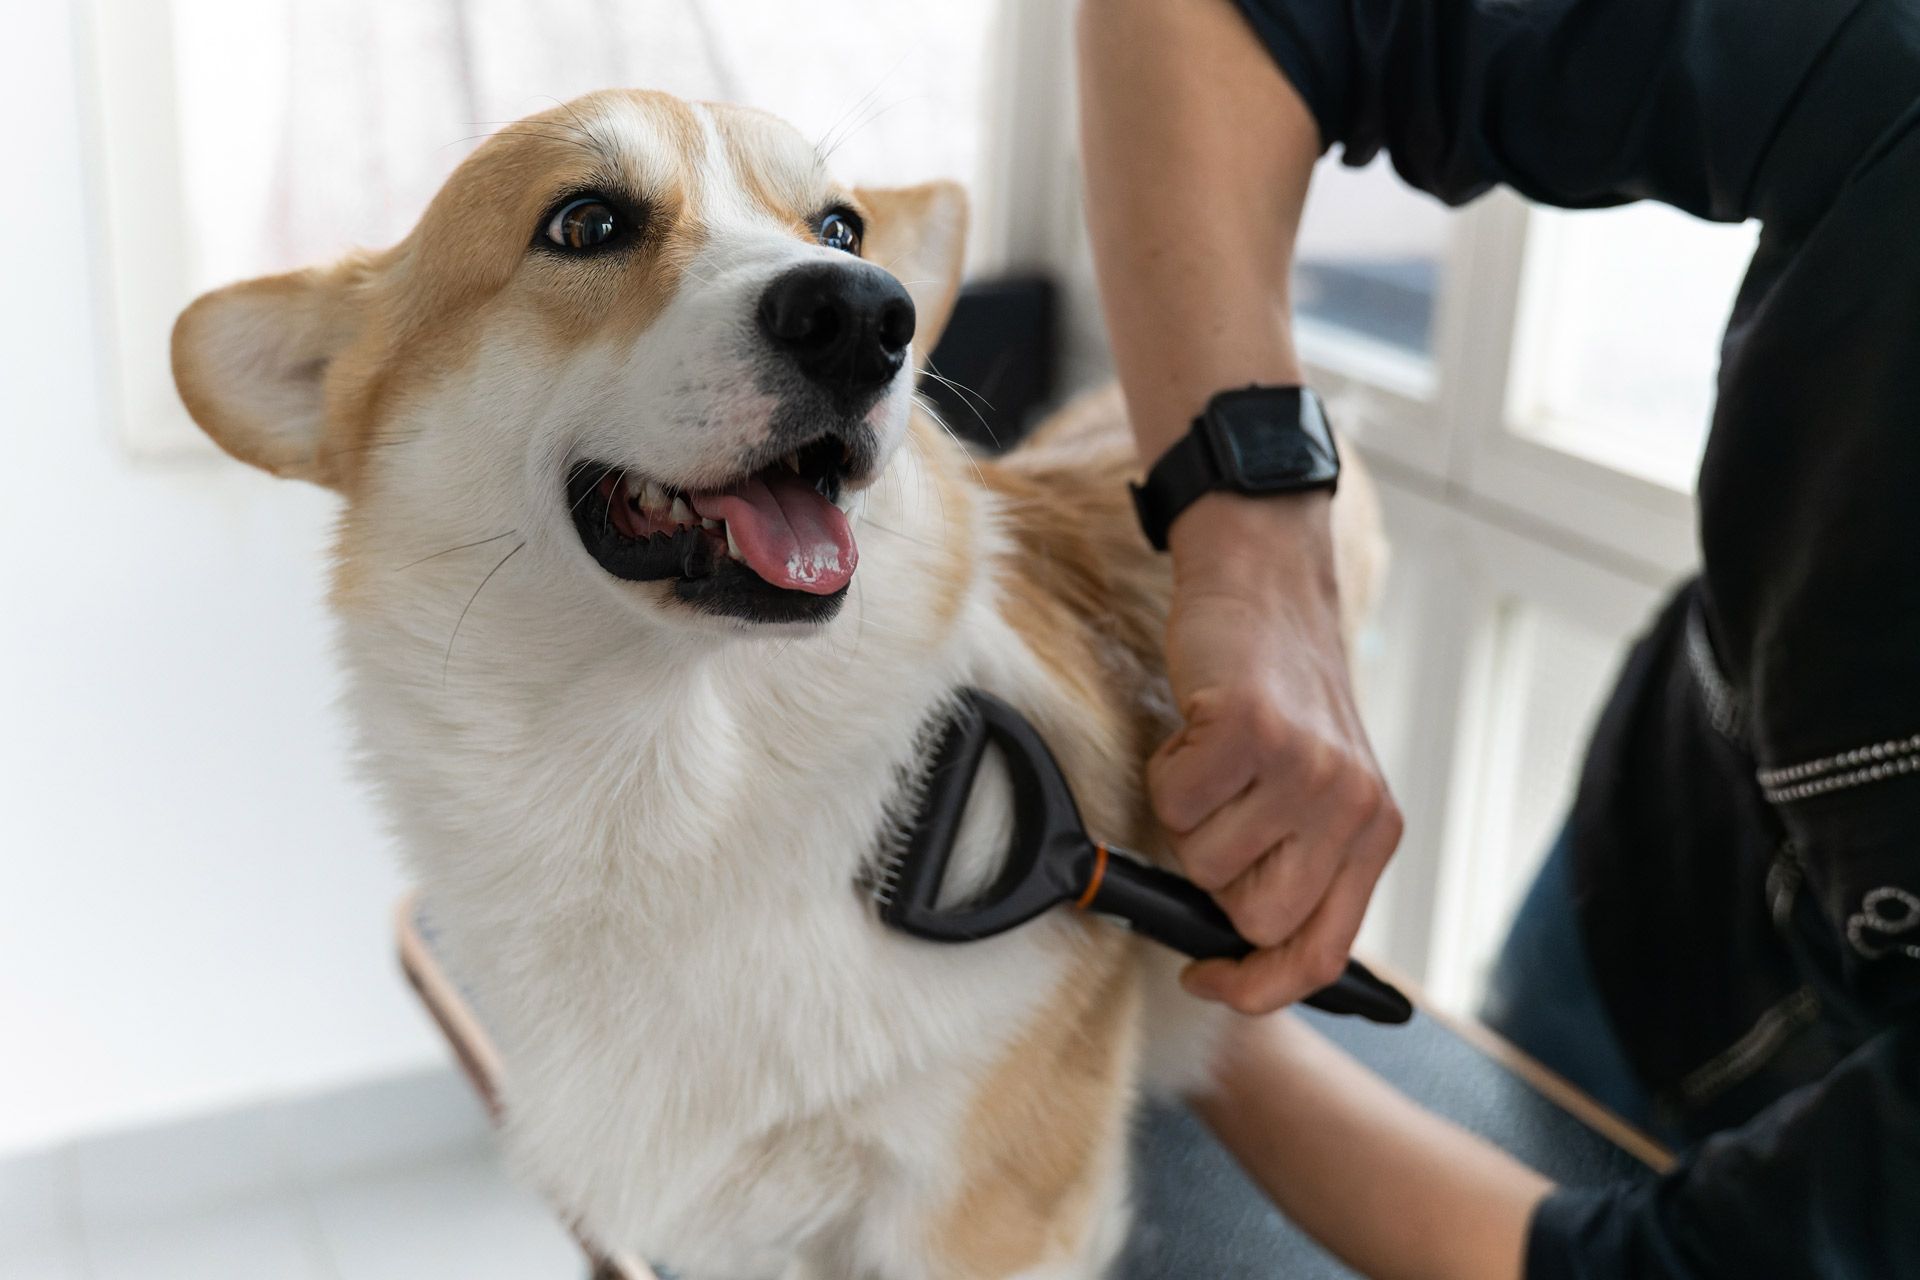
883, 880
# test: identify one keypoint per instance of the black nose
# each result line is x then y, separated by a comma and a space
847, 325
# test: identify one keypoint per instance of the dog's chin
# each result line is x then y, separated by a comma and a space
737, 593
642, 531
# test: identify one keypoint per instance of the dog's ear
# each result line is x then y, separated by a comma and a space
251, 362
920, 235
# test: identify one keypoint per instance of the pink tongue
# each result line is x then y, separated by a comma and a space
786, 531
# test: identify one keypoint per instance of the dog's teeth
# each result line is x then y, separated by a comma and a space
680, 512
655, 496
733, 548
709, 524
793, 462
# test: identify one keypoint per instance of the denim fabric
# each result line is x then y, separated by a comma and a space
1542, 995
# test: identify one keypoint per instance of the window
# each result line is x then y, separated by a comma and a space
1367, 262
1542, 678
1538, 491
1620, 324
1480, 679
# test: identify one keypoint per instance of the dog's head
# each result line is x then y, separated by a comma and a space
654, 341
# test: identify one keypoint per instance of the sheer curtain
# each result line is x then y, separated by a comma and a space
311, 126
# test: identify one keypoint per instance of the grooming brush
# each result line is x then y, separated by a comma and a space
1053, 861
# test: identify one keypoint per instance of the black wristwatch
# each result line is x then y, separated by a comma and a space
1257, 440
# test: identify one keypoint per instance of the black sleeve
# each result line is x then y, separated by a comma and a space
1824, 1185
1576, 103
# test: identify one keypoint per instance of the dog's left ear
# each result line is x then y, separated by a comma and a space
920, 235
251, 362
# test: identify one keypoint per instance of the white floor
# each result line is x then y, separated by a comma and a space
396, 1181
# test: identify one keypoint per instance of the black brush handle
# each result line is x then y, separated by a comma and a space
1178, 913
1167, 908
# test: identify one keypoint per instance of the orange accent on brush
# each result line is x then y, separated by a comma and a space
1093, 883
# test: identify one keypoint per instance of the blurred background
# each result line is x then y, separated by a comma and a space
194, 912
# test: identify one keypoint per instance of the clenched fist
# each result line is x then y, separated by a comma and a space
1269, 790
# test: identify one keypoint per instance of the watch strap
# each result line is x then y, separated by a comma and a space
1255, 440
1183, 473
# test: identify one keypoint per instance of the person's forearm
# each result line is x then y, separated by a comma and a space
1197, 156
1394, 1190
1198, 153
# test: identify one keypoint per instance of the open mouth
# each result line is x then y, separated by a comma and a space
772, 546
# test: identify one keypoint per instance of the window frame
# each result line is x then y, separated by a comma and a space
1501, 518
1468, 432
134, 165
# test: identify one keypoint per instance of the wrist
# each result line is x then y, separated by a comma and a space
1243, 544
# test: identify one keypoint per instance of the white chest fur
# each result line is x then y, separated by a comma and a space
645, 864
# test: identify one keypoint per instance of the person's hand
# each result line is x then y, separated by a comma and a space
1269, 791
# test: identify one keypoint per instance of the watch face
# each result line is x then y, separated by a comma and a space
1272, 439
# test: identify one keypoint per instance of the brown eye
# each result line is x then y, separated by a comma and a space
839, 231
586, 224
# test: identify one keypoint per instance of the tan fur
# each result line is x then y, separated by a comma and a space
315, 314
956, 496
464, 262
1088, 596
895, 240
742, 131
1091, 596
1048, 1126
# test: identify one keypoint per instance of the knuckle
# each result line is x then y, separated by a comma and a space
1360, 793
1169, 805
1207, 874
1220, 868
1261, 918
1259, 923
1393, 824
1208, 706
1268, 726
1324, 965
1214, 865
1175, 796
1324, 772
1201, 702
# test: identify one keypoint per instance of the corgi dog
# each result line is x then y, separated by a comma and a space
651, 578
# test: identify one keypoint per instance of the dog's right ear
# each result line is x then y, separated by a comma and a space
251, 363
920, 235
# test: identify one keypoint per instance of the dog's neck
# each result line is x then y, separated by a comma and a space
569, 749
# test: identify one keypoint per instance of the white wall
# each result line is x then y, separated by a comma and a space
194, 896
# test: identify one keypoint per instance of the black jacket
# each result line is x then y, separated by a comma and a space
1747, 830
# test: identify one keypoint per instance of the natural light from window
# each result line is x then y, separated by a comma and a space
1619, 335
309, 127
1367, 263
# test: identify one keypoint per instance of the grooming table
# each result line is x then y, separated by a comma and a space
1197, 1214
